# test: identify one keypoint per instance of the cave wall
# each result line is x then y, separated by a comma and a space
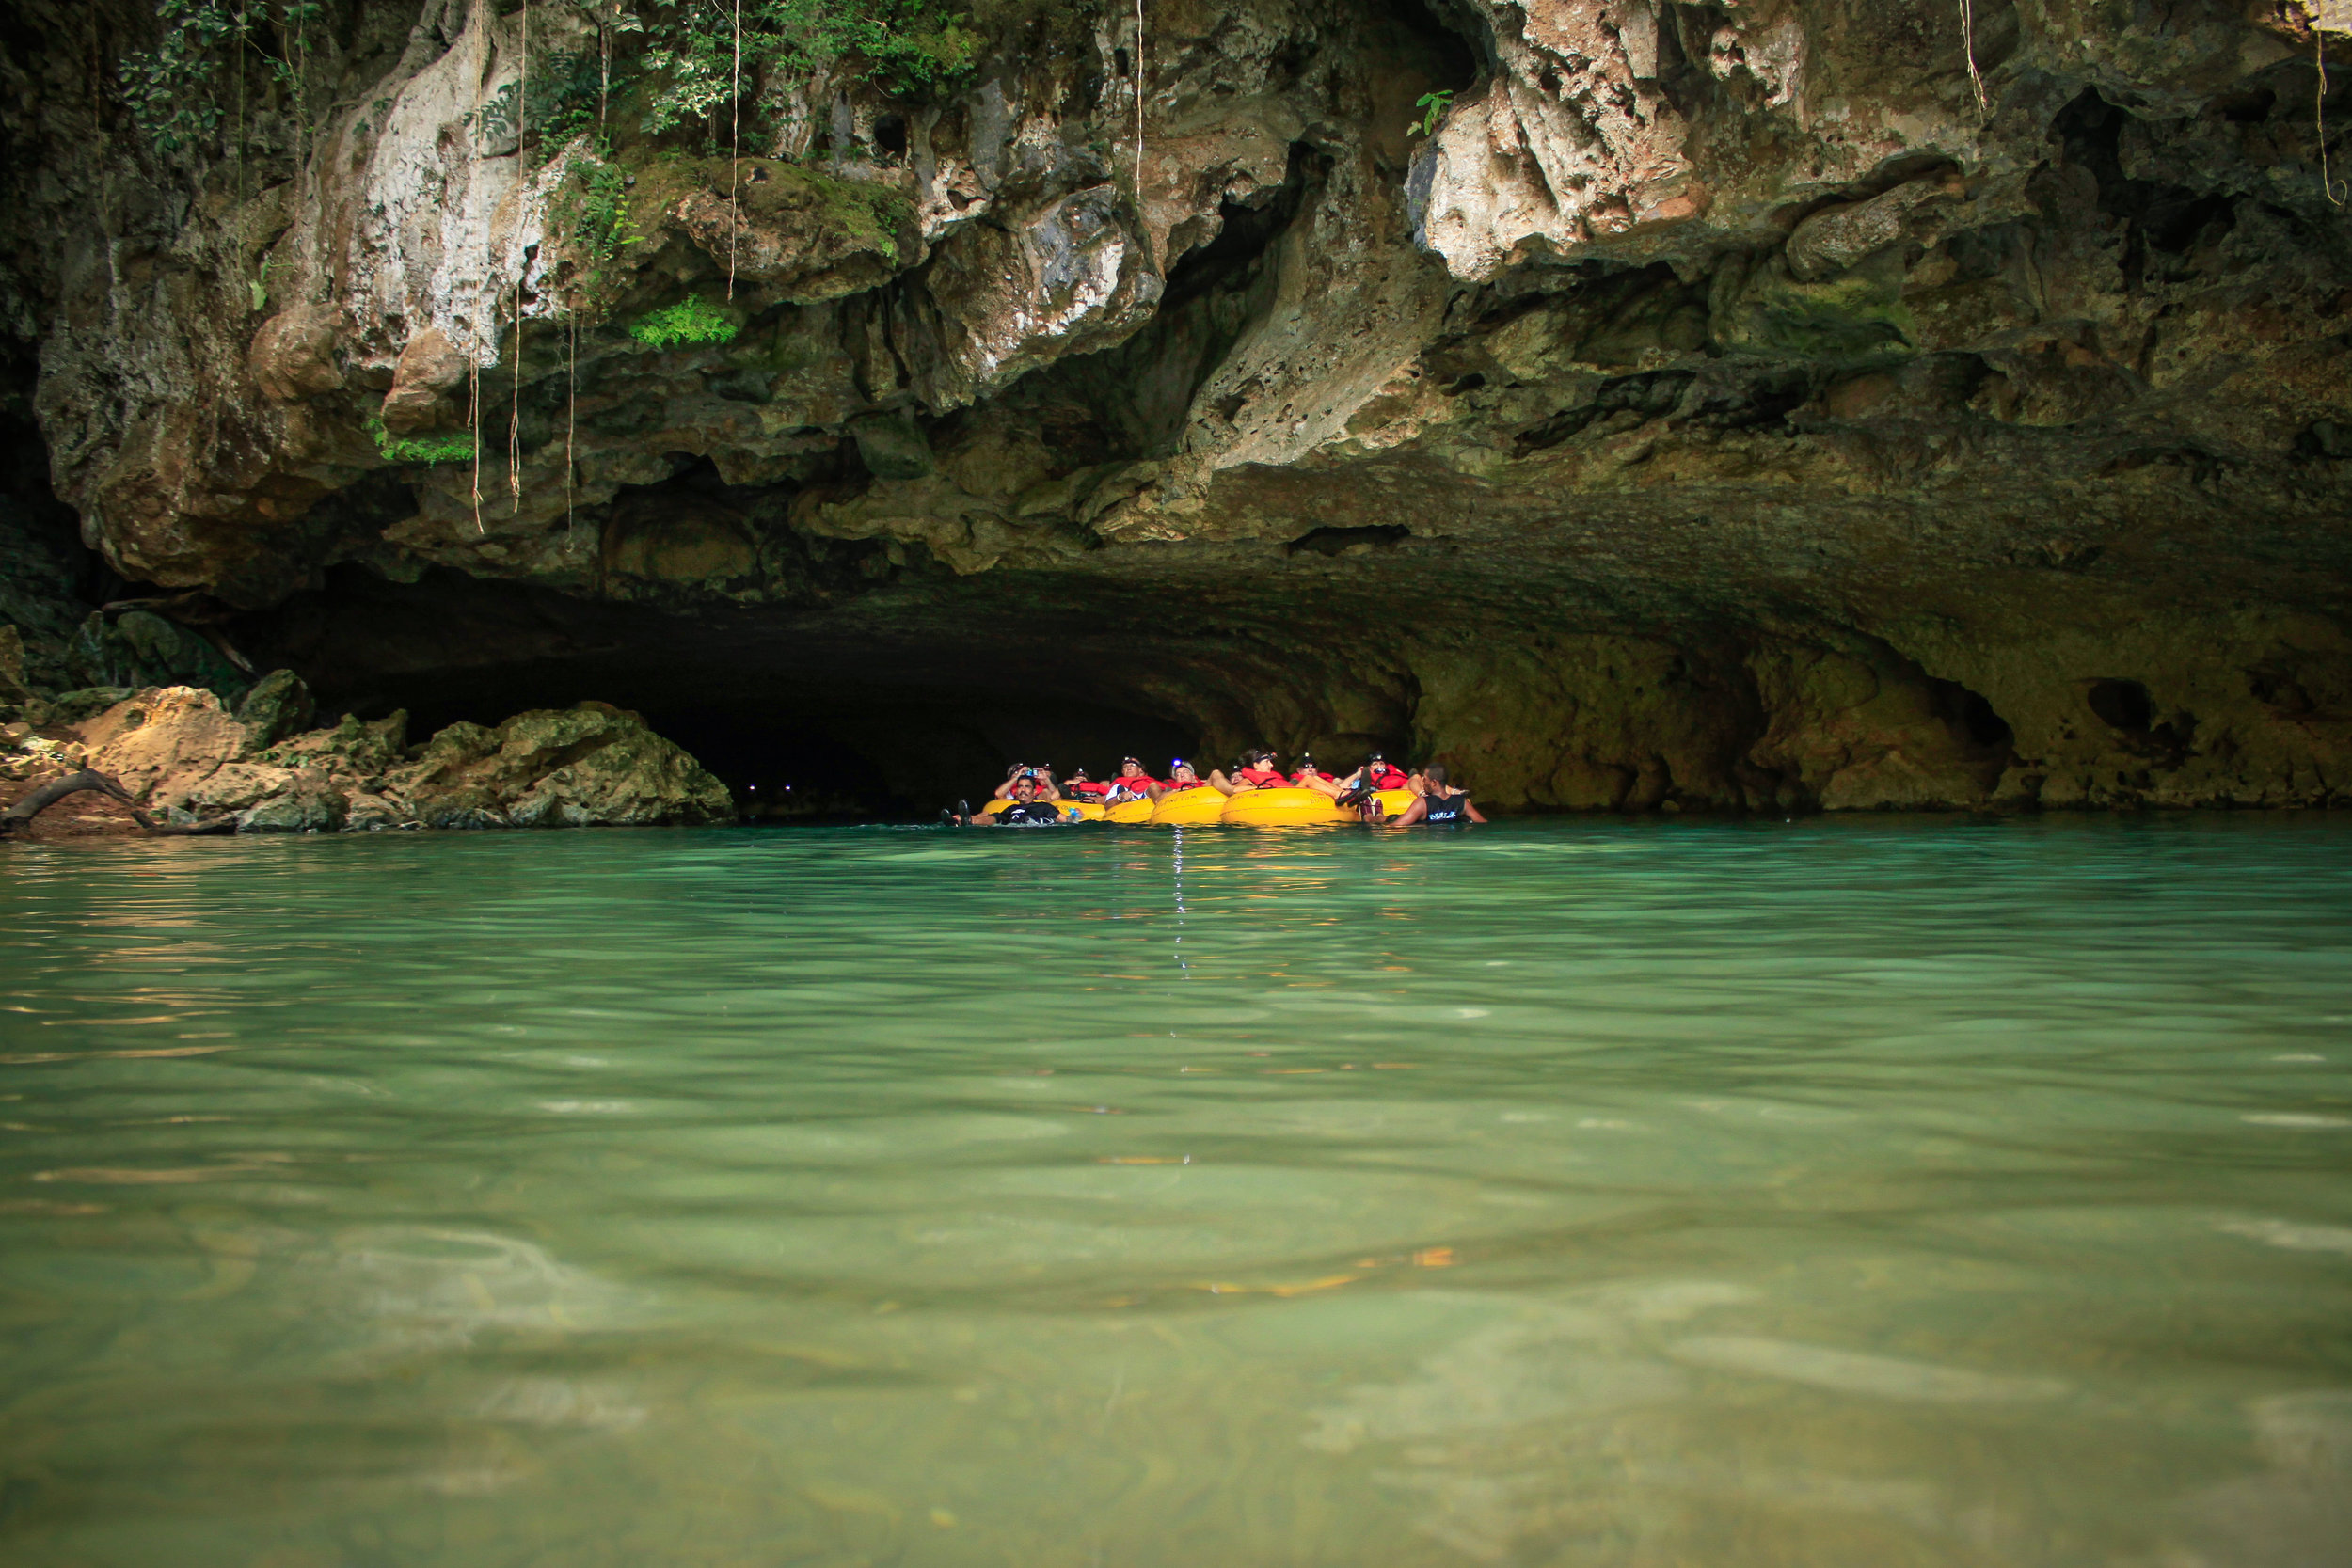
1721, 408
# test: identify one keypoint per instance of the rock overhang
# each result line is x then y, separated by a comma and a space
1745, 336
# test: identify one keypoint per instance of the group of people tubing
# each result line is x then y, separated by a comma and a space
1031, 796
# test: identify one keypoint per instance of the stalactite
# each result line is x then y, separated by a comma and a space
1142, 74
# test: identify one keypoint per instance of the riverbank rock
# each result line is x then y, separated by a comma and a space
593, 765
179, 752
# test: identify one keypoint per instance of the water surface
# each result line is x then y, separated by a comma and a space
1832, 1194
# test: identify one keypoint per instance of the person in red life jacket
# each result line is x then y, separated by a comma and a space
1377, 773
1082, 787
1256, 773
1131, 782
1180, 777
1311, 777
1439, 803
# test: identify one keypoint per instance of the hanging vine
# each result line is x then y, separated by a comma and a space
2335, 190
522, 265
571, 413
481, 290
1968, 42
735, 150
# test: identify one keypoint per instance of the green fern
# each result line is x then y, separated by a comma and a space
691, 319
420, 449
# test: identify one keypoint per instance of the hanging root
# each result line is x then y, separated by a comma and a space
1968, 42
571, 410
473, 424
19, 817
2335, 190
522, 265
734, 151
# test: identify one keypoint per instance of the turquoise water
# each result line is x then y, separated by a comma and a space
1570, 1193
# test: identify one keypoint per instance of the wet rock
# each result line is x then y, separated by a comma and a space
460, 806
308, 804
369, 812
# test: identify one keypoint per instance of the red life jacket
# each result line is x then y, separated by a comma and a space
1141, 784
1088, 786
1261, 777
1385, 778
1305, 773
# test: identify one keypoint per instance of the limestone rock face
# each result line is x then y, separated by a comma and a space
160, 742
1712, 407
176, 749
591, 766
293, 354
428, 370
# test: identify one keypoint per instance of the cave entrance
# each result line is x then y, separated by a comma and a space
801, 716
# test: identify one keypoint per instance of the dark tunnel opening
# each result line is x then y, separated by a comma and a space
801, 723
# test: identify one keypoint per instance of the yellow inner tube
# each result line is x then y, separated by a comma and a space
1283, 808
1189, 807
1394, 801
1128, 810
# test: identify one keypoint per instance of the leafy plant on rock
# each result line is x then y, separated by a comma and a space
905, 46
1435, 103
444, 448
174, 90
592, 213
691, 319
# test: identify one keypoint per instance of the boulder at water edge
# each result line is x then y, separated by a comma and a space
178, 749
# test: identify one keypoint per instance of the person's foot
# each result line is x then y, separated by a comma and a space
947, 817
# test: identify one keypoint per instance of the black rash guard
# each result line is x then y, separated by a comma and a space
1030, 814
1445, 808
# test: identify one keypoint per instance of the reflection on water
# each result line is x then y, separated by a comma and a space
1835, 1193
